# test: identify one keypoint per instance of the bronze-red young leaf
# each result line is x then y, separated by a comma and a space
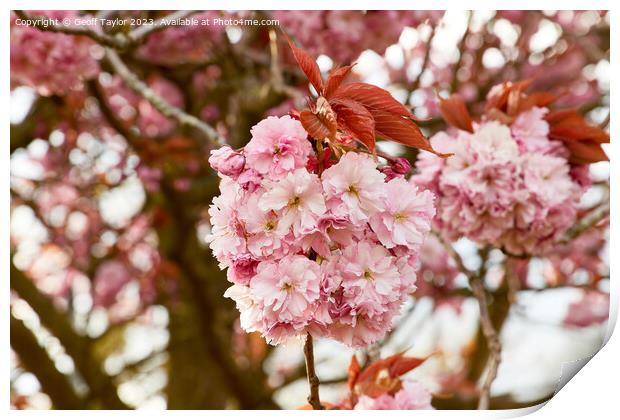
454, 111
356, 120
374, 98
335, 79
308, 65
315, 126
402, 130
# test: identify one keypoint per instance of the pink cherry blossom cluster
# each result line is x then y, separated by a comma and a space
412, 396
344, 34
331, 253
52, 63
506, 185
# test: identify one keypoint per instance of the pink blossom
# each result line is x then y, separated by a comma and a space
227, 236
110, 278
516, 193
227, 161
297, 198
288, 288
412, 396
370, 278
406, 218
242, 269
278, 147
354, 187
51, 62
591, 308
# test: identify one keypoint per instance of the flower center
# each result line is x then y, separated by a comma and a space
368, 275
400, 217
288, 287
269, 226
294, 202
353, 190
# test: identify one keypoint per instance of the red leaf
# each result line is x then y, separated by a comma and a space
403, 365
356, 120
500, 95
402, 130
354, 371
308, 65
335, 80
584, 152
374, 99
317, 127
581, 139
454, 111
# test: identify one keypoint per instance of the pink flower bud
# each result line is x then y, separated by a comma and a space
401, 166
227, 161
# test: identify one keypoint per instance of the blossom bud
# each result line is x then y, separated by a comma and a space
401, 165
227, 161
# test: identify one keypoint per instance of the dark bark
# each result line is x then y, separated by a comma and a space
102, 390
35, 360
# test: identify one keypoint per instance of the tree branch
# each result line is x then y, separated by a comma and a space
160, 103
490, 334
588, 221
36, 360
119, 41
77, 346
313, 380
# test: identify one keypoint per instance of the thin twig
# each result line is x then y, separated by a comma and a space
588, 221
313, 380
427, 55
476, 282
461, 45
160, 103
490, 334
277, 81
141, 32
119, 41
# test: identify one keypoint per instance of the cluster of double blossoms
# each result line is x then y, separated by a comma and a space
507, 185
329, 249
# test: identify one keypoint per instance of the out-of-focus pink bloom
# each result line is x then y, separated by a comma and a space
412, 396
183, 44
506, 186
592, 308
344, 34
110, 278
52, 63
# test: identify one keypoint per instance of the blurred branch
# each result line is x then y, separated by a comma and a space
313, 380
427, 55
476, 282
460, 49
78, 347
588, 221
119, 41
36, 361
477, 285
160, 103
277, 81
141, 32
